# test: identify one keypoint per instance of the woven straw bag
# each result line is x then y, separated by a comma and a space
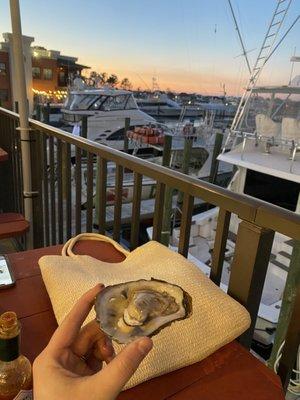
217, 319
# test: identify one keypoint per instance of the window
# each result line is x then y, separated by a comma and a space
98, 102
62, 79
114, 103
3, 95
36, 72
118, 135
80, 101
47, 74
2, 68
272, 189
131, 104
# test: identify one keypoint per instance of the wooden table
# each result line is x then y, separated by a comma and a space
230, 373
3, 155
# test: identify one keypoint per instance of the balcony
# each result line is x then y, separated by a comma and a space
58, 159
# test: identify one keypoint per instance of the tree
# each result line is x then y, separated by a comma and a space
126, 84
97, 79
112, 80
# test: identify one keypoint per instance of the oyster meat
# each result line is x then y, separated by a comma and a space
140, 308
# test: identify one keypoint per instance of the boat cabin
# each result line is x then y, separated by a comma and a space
90, 101
266, 148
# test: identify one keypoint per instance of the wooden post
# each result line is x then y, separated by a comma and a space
38, 112
46, 113
288, 301
248, 270
167, 212
188, 145
167, 150
64, 161
84, 131
126, 128
84, 127
214, 162
291, 346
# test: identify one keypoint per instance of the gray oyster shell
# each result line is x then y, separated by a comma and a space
140, 308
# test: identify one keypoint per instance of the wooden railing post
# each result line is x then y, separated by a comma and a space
288, 300
164, 236
292, 342
248, 270
220, 246
126, 128
215, 163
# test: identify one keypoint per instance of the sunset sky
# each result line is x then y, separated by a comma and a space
189, 45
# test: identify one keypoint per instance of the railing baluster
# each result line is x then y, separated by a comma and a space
37, 186
52, 190
136, 206
185, 228
46, 190
16, 150
60, 213
158, 211
220, 246
19, 167
10, 135
89, 193
118, 202
78, 191
68, 191
102, 177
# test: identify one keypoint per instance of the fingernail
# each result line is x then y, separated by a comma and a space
145, 345
108, 345
109, 359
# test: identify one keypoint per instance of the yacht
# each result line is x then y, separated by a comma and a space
265, 154
159, 105
106, 110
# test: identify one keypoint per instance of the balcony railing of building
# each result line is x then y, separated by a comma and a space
57, 162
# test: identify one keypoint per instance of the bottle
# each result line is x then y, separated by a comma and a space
15, 369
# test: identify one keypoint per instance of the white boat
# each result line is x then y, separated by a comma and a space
159, 105
266, 157
106, 110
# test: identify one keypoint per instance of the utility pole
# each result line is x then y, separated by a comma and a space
24, 114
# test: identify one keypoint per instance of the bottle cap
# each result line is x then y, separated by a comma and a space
8, 320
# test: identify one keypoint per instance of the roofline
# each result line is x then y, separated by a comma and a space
109, 91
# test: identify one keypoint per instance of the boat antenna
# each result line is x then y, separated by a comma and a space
145, 83
293, 63
244, 53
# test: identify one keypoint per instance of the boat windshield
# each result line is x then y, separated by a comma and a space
119, 102
80, 101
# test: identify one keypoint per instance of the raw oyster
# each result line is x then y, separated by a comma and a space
140, 308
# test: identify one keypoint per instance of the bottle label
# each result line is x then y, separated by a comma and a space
24, 395
9, 349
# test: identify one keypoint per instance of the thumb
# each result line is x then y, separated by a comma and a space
117, 373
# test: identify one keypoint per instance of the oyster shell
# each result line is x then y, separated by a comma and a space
140, 308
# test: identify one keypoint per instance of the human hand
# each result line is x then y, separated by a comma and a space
70, 367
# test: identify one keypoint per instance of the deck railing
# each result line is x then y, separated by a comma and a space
57, 160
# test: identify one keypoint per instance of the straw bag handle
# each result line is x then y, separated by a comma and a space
67, 250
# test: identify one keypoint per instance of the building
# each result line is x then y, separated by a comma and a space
51, 70
46, 71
